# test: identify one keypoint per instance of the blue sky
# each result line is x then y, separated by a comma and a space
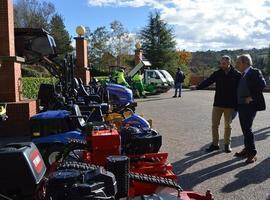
198, 24
82, 13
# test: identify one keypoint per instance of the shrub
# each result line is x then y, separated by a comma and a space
30, 86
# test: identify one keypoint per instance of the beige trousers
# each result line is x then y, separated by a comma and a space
216, 116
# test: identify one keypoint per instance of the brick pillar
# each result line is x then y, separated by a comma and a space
7, 47
18, 111
10, 72
81, 70
138, 56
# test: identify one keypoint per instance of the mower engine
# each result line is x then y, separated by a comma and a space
71, 184
22, 177
137, 141
21, 170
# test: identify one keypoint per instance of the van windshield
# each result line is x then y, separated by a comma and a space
167, 75
163, 79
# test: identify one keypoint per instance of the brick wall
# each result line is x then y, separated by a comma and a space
19, 114
10, 73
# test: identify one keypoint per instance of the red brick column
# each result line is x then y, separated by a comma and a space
7, 47
138, 56
10, 72
81, 70
18, 111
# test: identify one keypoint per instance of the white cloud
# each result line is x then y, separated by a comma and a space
208, 24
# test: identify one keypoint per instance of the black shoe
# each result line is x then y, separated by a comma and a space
179, 96
227, 148
174, 96
241, 154
212, 148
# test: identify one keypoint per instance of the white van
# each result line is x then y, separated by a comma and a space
168, 77
155, 77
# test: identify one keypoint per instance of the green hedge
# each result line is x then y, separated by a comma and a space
30, 86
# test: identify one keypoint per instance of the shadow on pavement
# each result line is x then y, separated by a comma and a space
258, 174
259, 135
193, 179
193, 158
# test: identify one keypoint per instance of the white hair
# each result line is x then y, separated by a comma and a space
245, 58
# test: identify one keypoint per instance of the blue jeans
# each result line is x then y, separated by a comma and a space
246, 117
178, 86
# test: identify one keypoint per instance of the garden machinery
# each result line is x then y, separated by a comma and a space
38, 47
73, 180
107, 163
52, 130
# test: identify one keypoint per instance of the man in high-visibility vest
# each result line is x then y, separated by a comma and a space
138, 83
121, 78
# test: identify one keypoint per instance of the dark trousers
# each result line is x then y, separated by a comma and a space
246, 117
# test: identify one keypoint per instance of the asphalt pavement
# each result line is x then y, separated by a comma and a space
185, 124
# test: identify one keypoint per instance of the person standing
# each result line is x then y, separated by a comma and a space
120, 79
225, 102
179, 79
138, 84
250, 100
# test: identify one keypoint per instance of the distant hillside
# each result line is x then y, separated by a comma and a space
203, 63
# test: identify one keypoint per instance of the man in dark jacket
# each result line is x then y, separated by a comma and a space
226, 80
250, 100
178, 80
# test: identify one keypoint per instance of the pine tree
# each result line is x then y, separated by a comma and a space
60, 34
158, 43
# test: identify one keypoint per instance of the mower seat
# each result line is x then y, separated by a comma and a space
92, 95
84, 121
77, 116
81, 90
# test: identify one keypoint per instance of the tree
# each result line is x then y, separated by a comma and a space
60, 34
184, 59
158, 43
33, 14
120, 43
267, 70
98, 47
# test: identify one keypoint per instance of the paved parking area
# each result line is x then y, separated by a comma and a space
185, 124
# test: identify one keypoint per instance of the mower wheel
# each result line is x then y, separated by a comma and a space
51, 154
